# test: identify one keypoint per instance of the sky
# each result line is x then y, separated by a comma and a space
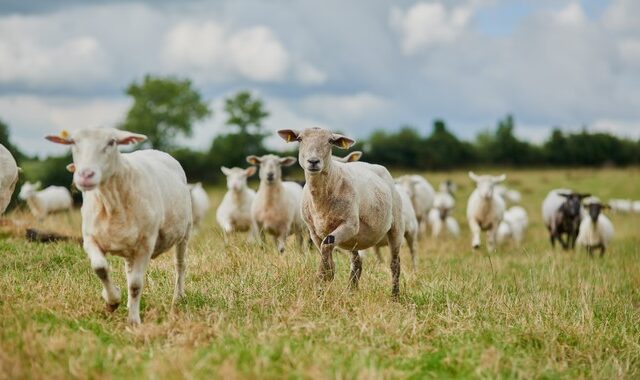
354, 66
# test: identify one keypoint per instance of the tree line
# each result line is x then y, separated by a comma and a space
165, 108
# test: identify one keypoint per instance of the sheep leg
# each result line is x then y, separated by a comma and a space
280, 241
254, 235
327, 267
395, 241
181, 266
475, 232
356, 269
491, 238
136, 267
110, 292
376, 249
411, 242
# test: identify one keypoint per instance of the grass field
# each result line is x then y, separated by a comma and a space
523, 312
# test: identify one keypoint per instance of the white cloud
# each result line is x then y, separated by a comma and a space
309, 75
31, 118
429, 24
345, 108
626, 128
571, 15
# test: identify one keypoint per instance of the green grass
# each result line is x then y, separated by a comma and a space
522, 312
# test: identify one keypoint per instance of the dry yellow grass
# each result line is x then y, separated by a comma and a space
520, 312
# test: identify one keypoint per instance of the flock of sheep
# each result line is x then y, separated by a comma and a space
138, 205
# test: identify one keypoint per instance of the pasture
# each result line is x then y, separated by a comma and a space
520, 312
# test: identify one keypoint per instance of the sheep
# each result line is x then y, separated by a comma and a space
421, 193
234, 212
509, 195
636, 207
353, 206
513, 225
199, 202
561, 213
440, 215
410, 227
135, 205
621, 205
44, 202
8, 177
596, 230
485, 209
276, 207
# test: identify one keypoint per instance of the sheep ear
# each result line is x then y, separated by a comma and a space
354, 156
341, 142
62, 139
583, 196
287, 161
499, 178
71, 168
473, 177
253, 160
289, 135
225, 170
564, 195
37, 185
251, 170
126, 138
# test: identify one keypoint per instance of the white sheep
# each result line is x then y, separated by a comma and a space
136, 206
422, 195
621, 205
485, 209
234, 212
596, 230
636, 207
440, 215
509, 195
410, 227
353, 206
276, 207
47, 201
199, 203
8, 177
513, 225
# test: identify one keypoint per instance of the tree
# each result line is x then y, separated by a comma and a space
245, 113
163, 108
444, 150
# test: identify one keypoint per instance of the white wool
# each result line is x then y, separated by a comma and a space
551, 204
234, 212
594, 234
200, 203
8, 177
485, 209
421, 194
513, 225
443, 204
44, 202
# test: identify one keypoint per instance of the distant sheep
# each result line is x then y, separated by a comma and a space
485, 209
621, 205
509, 195
44, 202
421, 194
8, 178
353, 206
199, 202
136, 206
562, 214
513, 225
234, 212
440, 215
596, 230
276, 207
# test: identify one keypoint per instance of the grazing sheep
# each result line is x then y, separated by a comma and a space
199, 202
561, 213
44, 202
234, 212
485, 209
596, 230
440, 215
410, 227
421, 193
276, 207
513, 225
353, 206
8, 177
136, 206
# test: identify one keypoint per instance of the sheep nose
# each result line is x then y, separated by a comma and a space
313, 161
87, 174
270, 176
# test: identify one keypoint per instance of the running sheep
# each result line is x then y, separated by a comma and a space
485, 209
596, 230
234, 212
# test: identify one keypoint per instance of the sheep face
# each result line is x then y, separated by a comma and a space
315, 147
485, 184
271, 166
237, 177
28, 190
571, 206
595, 209
95, 153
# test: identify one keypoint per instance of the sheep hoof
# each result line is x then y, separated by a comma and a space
112, 307
330, 239
476, 246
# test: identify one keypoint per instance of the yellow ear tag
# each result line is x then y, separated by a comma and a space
64, 134
345, 144
288, 138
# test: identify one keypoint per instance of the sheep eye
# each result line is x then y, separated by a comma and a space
112, 143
